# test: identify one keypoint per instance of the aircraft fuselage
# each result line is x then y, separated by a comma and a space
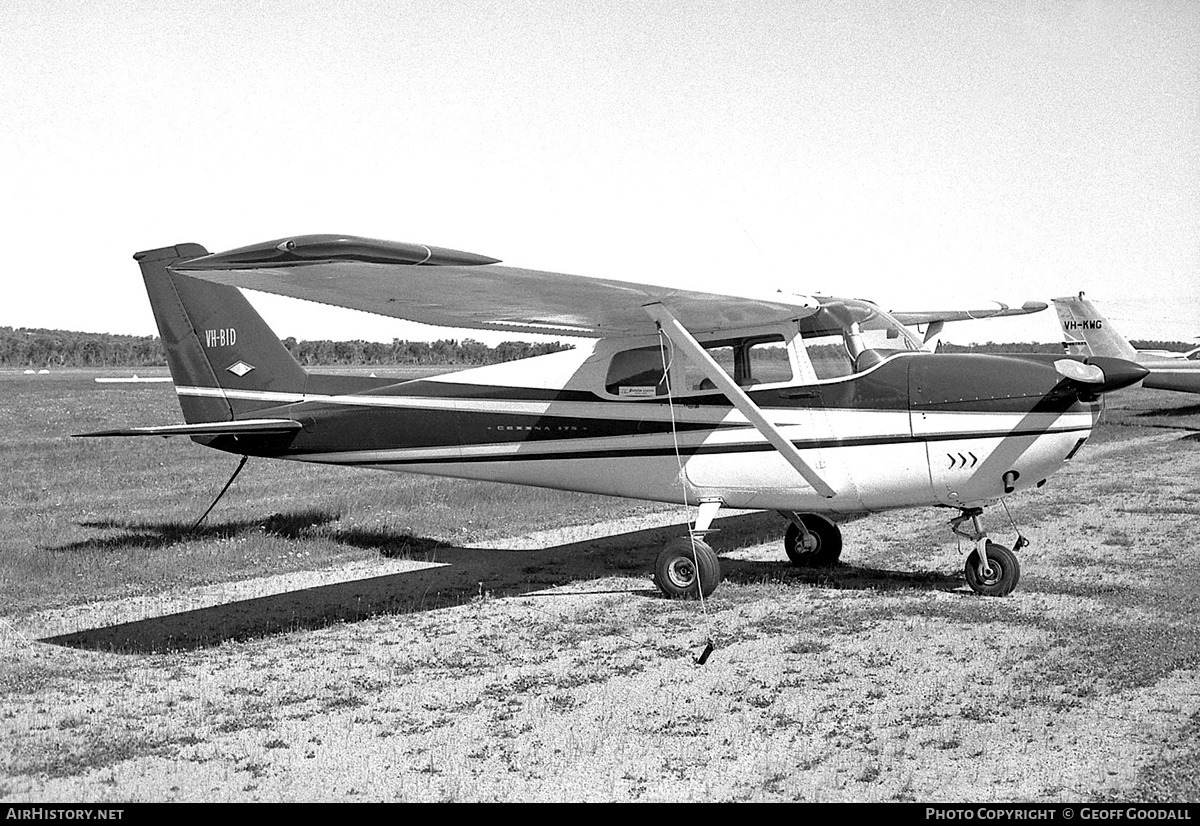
917, 429
1178, 374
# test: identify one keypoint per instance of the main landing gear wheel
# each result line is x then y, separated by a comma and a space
1001, 575
681, 574
820, 548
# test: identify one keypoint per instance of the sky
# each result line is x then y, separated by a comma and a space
919, 154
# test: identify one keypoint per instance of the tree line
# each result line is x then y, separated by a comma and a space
443, 351
1054, 347
25, 347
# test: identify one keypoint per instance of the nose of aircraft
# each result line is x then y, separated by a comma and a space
1013, 383
1118, 373
1101, 374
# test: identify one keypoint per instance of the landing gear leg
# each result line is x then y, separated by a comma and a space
687, 568
992, 570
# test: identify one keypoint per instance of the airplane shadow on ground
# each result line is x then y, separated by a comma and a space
1188, 410
1186, 418
463, 574
298, 525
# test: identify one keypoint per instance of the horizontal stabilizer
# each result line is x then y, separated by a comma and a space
245, 427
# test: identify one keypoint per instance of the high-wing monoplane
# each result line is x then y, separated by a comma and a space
811, 406
1086, 331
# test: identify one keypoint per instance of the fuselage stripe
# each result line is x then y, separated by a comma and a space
652, 410
526, 451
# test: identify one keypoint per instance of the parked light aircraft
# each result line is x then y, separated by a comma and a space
1087, 332
811, 406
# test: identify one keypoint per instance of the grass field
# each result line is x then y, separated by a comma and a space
102, 518
349, 635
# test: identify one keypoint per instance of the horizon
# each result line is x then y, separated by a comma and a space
923, 155
566, 340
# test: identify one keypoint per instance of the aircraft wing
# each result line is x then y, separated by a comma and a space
449, 288
935, 320
998, 310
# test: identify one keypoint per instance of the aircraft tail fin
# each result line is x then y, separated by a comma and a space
224, 359
1086, 332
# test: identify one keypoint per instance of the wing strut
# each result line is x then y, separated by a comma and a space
684, 340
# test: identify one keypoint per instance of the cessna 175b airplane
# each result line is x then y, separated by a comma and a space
809, 406
1086, 332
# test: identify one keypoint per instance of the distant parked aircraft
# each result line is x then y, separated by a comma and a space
1086, 332
134, 379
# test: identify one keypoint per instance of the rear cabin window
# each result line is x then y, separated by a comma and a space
636, 373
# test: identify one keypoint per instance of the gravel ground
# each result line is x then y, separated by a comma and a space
547, 667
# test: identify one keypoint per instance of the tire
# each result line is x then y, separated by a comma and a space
1004, 575
826, 552
681, 574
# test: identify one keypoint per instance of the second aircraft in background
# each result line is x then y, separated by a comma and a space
1087, 333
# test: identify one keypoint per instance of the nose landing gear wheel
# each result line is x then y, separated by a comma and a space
681, 574
1002, 573
823, 545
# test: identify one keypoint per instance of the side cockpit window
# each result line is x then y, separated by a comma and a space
751, 361
829, 356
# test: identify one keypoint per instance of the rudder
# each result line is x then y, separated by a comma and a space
1086, 332
224, 359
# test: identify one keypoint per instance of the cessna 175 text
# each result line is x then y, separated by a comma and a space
811, 406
